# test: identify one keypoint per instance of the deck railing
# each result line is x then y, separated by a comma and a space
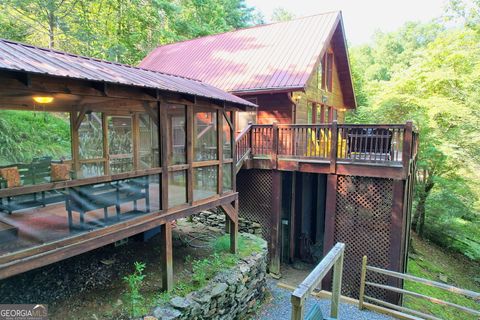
426, 282
334, 258
388, 145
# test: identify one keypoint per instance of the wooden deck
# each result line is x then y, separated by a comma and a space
363, 150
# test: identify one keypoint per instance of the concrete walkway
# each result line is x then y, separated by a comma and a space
278, 307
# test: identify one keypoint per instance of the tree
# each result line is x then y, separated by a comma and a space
432, 77
281, 14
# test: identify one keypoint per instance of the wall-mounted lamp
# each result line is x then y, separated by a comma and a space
43, 99
297, 97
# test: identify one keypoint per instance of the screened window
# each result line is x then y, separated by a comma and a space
90, 136
176, 134
227, 139
205, 182
205, 136
120, 144
177, 188
227, 177
149, 152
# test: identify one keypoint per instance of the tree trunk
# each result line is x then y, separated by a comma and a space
419, 216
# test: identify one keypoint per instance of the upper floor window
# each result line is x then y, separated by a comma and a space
327, 72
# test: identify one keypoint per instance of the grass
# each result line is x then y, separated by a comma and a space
432, 262
200, 271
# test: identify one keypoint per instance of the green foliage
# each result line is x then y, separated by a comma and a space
430, 73
202, 270
280, 14
123, 31
25, 135
430, 262
133, 296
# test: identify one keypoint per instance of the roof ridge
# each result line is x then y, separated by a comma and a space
94, 59
246, 28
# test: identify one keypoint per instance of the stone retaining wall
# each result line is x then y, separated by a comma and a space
217, 220
232, 294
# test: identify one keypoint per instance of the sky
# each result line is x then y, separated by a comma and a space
361, 17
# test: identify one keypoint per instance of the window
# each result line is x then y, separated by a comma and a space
227, 138
176, 134
205, 182
148, 148
205, 136
177, 188
327, 72
120, 144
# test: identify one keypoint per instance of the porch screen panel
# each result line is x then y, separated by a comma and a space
205, 136
120, 144
177, 134
177, 186
149, 151
90, 145
227, 140
205, 182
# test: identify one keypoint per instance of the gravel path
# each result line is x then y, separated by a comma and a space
279, 307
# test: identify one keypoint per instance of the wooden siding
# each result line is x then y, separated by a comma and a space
272, 108
314, 94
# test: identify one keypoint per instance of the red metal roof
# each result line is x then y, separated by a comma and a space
16, 56
276, 56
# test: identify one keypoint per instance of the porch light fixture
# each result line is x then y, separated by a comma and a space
43, 99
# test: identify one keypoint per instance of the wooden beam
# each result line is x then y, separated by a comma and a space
275, 216
165, 151
136, 140
231, 217
396, 235
190, 152
220, 151
166, 256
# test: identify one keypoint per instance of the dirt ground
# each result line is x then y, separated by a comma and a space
91, 286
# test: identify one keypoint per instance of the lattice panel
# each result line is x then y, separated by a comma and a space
362, 221
255, 197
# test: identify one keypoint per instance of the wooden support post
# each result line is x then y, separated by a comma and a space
220, 151
190, 135
407, 147
233, 223
106, 147
337, 286
75, 144
330, 212
234, 150
298, 308
136, 140
275, 243
231, 215
166, 256
363, 276
333, 147
274, 152
164, 137
396, 235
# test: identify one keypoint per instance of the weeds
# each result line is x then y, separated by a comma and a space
134, 282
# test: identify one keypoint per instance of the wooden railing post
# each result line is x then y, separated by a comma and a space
274, 151
250, 138
363, 276
298, 308
337, 286
333, 147
407, 147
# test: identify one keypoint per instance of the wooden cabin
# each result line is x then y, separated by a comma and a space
145, 148
307, 177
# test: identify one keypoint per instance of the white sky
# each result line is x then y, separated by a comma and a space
361, 17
